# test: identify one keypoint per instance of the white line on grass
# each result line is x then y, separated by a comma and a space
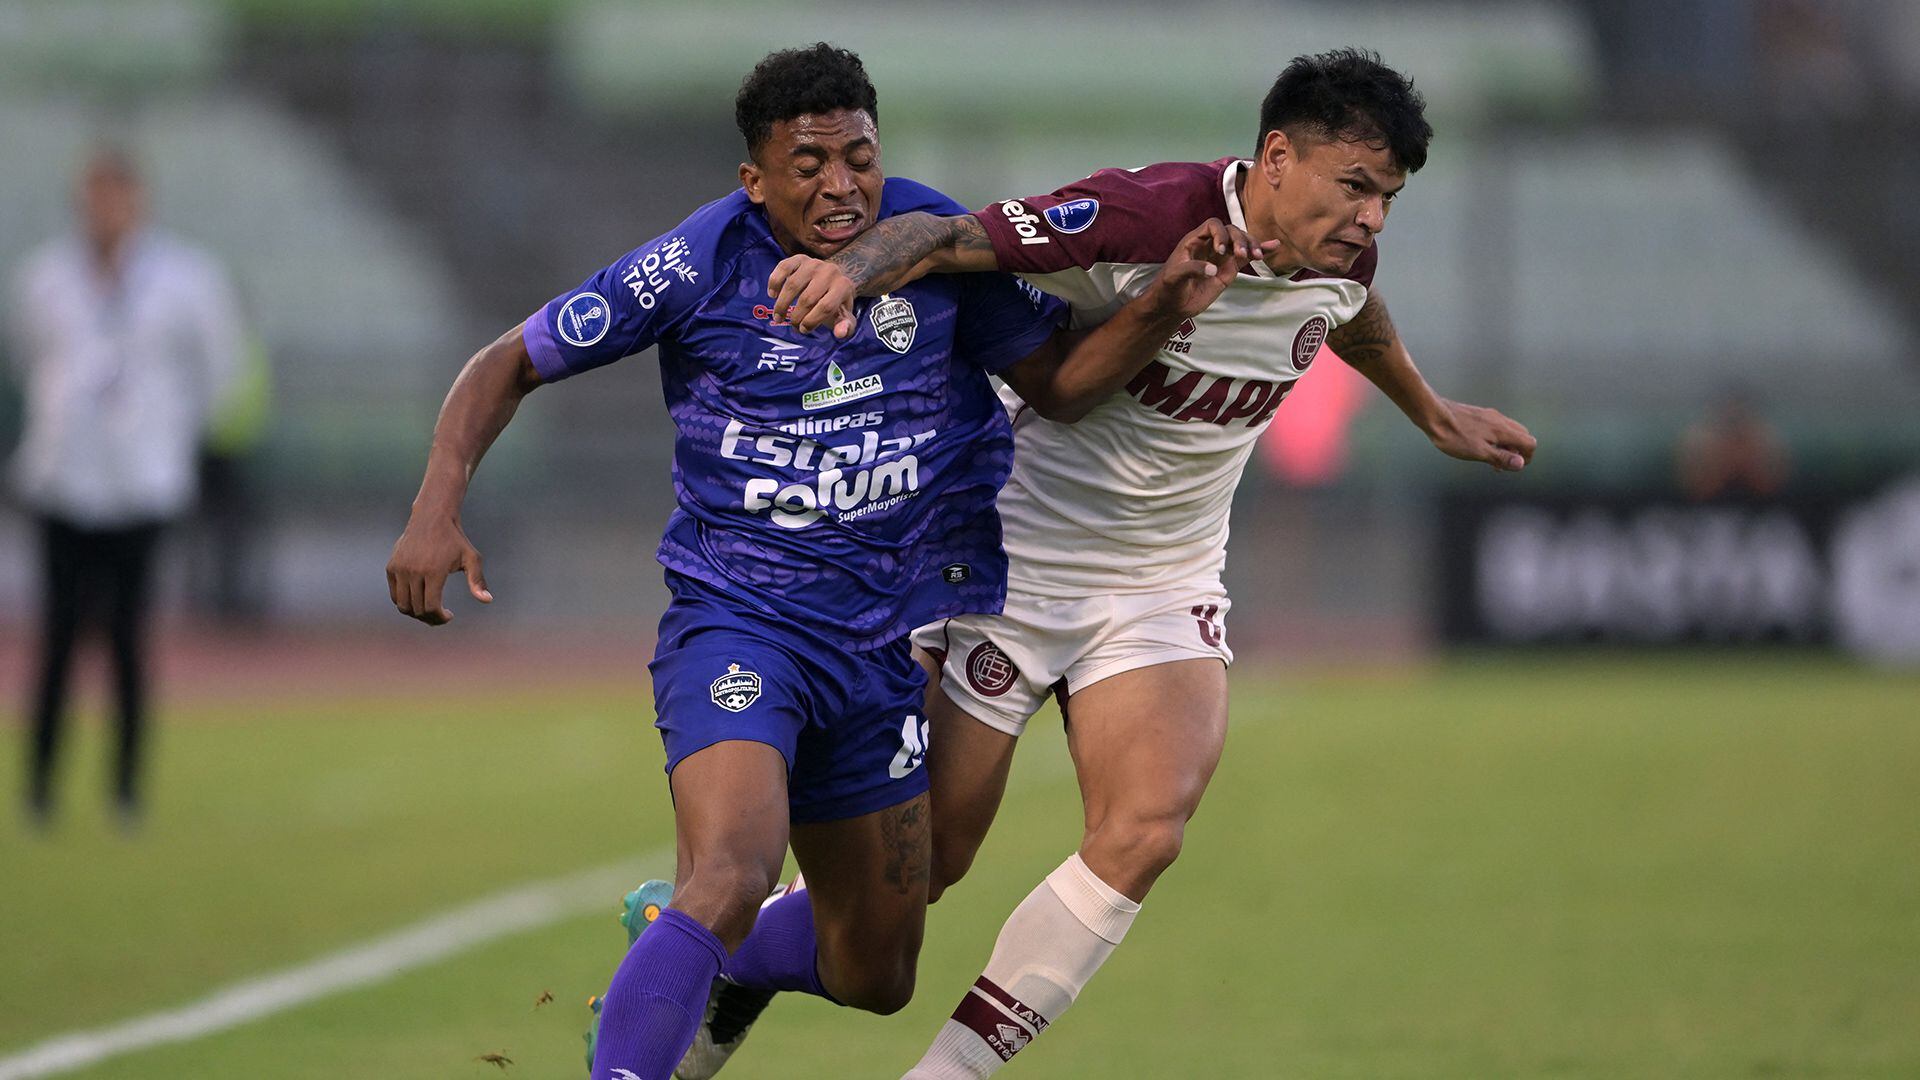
437, 938
448, 934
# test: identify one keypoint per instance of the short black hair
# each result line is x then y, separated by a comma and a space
818, 78
1349, 94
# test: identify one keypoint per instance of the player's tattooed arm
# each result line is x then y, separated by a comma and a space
811, 293
1370, 345
910, 246
483, 399
1368, 337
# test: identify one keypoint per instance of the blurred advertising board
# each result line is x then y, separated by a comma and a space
1568, 568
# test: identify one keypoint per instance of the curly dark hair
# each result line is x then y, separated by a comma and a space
817, 78
1349, 94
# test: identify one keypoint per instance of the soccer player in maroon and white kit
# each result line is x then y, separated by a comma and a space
1116, 526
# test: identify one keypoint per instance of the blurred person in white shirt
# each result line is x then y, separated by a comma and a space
123, 337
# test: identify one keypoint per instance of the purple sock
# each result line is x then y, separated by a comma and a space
781, 951
656, 1001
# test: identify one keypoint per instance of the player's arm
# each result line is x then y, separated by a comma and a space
812, 293
1370, 345
484, 398
1066, 377
911, 246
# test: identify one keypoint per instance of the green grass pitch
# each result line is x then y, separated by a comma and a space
1565, 867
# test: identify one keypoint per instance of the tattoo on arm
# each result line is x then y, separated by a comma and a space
906, 833
886, 256
1367, 337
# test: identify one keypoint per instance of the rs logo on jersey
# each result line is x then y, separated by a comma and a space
913, 748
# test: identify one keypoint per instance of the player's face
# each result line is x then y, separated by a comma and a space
819, 177
1330, 198
110, 204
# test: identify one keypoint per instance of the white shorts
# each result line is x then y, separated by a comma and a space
1000, 668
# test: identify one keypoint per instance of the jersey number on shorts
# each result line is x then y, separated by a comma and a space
1210, 631
913, 747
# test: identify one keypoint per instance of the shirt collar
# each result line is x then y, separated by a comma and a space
1230, 187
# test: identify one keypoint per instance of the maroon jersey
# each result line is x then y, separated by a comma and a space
1136, 495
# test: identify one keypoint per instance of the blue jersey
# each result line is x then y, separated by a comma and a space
847, 486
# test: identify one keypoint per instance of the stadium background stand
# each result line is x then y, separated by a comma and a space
1595, 245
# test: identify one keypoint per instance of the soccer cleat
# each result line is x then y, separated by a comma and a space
731, 1010
638, 910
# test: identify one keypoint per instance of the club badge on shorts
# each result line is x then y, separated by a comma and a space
989, 671
736, 689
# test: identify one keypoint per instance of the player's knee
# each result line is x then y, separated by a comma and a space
871, 969
1145, 845
726, 894
884, 990
949, 866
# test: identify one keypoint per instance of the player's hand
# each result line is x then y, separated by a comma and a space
1473, 433
1201, 267
422, 558
811, 293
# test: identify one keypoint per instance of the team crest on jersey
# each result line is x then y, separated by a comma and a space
584, 319
1072, 216
989, 671
894, 322
736, 689
956, 573
1306, 343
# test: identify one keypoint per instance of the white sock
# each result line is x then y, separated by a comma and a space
1050, 946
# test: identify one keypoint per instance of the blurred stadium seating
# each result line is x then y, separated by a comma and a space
398, 182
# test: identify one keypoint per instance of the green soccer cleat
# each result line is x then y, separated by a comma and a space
638, 910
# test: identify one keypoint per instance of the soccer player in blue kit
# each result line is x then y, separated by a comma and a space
832, 495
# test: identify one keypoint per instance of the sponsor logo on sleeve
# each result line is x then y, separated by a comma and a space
1306, 343
584, 319
1073, 216
656, 271
989, 671
736, 689
893, 322
1024, 222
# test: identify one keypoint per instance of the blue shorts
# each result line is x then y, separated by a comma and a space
852, 726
